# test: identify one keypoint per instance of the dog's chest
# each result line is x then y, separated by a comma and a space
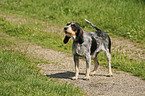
80, 49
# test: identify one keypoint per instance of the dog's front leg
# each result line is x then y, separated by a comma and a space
76, 61
88, 64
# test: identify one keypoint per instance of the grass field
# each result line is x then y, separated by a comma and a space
19, 76
40, 22
121, 18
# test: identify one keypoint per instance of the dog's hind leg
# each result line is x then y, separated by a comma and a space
108, 55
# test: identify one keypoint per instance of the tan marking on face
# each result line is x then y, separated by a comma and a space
70, 31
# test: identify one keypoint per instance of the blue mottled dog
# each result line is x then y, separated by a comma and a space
87, 45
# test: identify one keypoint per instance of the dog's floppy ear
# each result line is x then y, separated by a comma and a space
80, 36
66, 39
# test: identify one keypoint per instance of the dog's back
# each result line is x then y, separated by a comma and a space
100, 41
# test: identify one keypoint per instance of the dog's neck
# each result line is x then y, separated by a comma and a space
75, 38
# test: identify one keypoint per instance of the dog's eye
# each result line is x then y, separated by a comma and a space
73, 25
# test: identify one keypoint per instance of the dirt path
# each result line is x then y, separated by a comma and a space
62, 68
128, 48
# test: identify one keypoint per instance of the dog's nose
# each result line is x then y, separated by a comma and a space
65, 28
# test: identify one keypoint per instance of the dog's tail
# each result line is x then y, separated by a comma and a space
92, 25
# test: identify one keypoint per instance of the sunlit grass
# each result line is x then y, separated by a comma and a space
116, 17
41, 23
19, 77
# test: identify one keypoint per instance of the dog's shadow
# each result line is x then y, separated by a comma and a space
64, 75
68, 75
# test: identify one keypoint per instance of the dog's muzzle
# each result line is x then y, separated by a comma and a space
65, 30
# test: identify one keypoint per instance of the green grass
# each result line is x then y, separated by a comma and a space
18, 76
28, 20
123, 18
36, 36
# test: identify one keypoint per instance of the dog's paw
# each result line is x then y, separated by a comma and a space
86, 78
92, 73
110, 74
74, 78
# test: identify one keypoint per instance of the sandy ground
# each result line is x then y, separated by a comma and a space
62, 68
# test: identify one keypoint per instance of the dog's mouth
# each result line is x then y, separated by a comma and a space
66, 32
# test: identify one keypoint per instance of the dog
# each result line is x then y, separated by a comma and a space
87, 45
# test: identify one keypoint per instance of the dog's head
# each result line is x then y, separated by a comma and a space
73, 30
